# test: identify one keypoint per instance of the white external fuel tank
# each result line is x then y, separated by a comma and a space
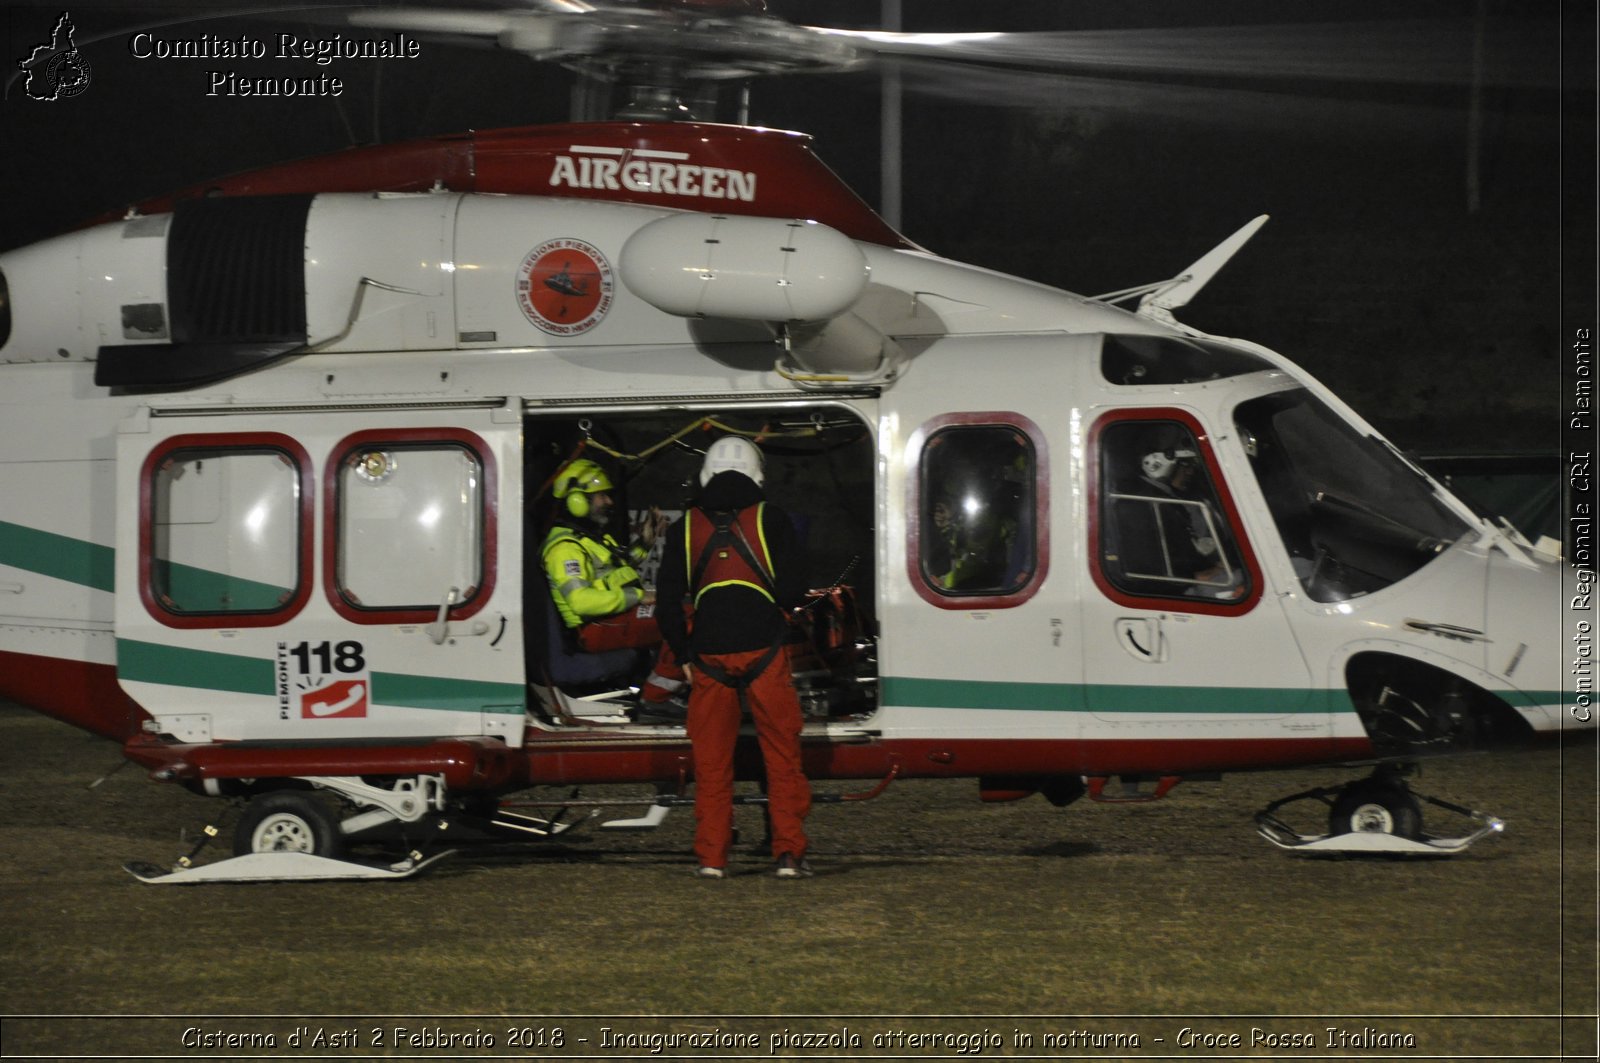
750, 269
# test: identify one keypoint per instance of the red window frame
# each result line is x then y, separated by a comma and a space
400, 439
305, 518
1230, 514
915, 449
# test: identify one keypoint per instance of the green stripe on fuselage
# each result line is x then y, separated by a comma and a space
1066, 697
1213, 701
194, 590
58, 556
977, 694
149, 662
451, 695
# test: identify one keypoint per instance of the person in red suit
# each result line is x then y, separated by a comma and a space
735, 564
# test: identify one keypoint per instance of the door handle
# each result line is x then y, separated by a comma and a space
439, 630
1142, 638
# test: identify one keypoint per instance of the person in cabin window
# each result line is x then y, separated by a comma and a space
973, 535
736, 567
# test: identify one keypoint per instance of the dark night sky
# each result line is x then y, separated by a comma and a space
1442, 325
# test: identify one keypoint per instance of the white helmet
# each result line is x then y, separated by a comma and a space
732, 454
1159, 465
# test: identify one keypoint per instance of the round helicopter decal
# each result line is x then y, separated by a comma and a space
565, 286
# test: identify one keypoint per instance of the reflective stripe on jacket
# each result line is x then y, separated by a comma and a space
590, 578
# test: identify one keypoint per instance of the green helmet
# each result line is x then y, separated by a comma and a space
577, 481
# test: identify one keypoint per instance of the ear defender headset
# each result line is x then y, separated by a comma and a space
577, 482
1159, 465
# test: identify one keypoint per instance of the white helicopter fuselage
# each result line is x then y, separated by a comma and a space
321, 566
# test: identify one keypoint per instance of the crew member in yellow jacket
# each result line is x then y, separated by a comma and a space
597, 590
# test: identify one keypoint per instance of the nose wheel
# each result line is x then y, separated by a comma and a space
1376, 805
1378, 814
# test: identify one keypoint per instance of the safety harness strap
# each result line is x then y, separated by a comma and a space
728, 532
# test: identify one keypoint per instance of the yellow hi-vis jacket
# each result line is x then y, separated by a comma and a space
590, 578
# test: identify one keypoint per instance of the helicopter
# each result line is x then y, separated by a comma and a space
280, 468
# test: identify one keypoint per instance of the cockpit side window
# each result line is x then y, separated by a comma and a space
1163, 529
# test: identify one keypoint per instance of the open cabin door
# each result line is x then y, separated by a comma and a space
820, 467
309, 576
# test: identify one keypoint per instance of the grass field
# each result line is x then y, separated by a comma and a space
933, 918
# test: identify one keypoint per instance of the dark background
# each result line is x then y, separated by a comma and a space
1443, 321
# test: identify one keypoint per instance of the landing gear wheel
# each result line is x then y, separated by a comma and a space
287, 821
1375, 806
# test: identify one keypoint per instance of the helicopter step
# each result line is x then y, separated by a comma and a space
1378, 814
281, 867
668, 797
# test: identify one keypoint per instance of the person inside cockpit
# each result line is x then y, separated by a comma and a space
1167, 522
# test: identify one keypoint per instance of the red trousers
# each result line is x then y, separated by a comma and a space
713, 731
636, 629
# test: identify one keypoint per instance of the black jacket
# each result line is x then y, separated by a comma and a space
730, 619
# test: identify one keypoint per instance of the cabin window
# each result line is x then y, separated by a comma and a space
977, 513
1162, 529
224, 531
410, 525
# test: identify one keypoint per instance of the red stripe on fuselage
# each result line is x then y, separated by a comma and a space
77, 692
565, 759
575, 758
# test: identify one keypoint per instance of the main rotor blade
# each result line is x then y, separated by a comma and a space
1214, 105
1404, 52
538, 33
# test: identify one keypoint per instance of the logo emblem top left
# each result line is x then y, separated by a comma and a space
57, 70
